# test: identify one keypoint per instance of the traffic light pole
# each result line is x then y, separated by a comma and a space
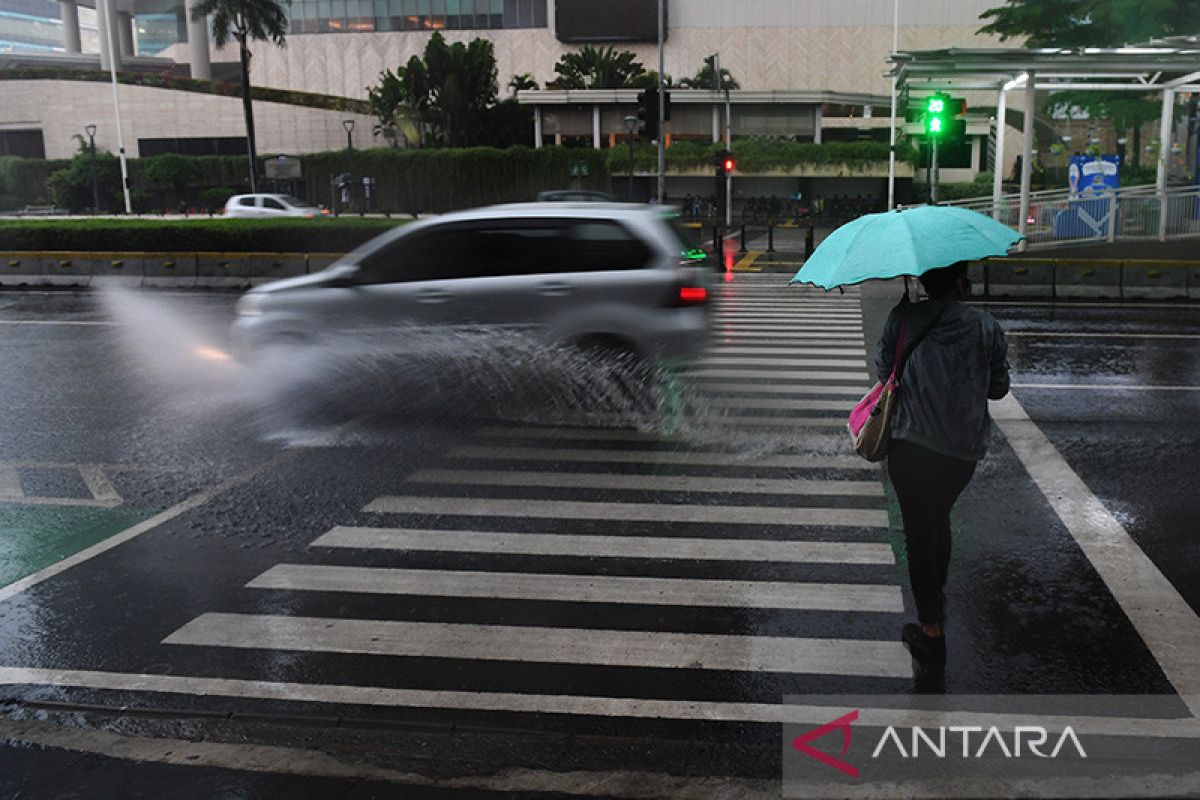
933, 170
662, 102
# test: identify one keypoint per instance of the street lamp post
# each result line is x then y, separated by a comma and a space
348, 124
630, 127
90, 130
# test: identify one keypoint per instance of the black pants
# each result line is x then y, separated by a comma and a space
927, 485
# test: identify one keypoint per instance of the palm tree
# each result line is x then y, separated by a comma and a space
595, 68
704, 79
522, 82
246, 20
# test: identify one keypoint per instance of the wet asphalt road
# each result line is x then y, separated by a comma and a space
115, 413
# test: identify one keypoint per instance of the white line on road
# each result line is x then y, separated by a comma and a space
10, 482
577, 705
1166, 623
98, 483
836, 337
724, 389
719, 360
643, 482
734, 402
618, 589
744, 421
802, 375
1124, 387
629, 512
713, 458
588, 546
646, 649
56, 322
73, 502
791, 350
1072, 335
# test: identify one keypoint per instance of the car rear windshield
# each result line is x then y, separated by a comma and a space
691, 247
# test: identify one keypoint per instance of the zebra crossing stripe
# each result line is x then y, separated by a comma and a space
657, 483
718, 389
619, 589
789, 335
844, 350
629, 512
798, 375
719, 360
591, 546
661, 457
735, 402
646, 649
742, 421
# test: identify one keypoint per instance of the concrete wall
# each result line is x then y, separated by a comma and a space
61, 109
767, 44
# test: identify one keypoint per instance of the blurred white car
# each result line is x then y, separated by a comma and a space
262, 206
605, 276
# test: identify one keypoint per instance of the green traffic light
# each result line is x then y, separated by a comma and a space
935, 125
936, 105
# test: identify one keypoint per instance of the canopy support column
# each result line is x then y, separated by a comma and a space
537, 126
1164, 154
998, 160
1026, 155
596, 126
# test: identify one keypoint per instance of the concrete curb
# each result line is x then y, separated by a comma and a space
156, 270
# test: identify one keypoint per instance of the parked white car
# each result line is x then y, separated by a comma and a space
264, 206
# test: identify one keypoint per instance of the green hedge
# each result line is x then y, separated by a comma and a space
162, 81
199, 235
753, 155
26, 181
444, 179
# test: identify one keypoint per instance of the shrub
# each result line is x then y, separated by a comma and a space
26, 181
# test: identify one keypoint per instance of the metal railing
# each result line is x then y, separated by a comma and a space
1060, 217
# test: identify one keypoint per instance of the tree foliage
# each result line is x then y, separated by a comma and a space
704, 79
522, 82
1090, 23
598, 68
450, 92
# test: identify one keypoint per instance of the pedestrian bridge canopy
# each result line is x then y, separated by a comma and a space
1166, 67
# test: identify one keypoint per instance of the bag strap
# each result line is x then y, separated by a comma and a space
900, 362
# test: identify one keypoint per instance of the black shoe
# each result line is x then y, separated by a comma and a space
929, 651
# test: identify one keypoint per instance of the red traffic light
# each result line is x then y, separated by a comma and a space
728, 164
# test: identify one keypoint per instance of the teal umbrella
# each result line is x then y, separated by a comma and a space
908, 242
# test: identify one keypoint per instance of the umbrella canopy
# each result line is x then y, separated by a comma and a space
908, 242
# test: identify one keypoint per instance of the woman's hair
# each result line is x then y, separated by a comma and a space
942, 281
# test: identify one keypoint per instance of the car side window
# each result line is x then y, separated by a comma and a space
246, 201
272, 203
521, 247
430, 254
606, 245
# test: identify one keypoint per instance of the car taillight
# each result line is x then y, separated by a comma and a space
692, 295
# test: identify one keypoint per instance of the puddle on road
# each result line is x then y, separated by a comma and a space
298, 393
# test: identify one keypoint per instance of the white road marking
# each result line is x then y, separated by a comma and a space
734, 402
67, 322
73, 502
645, 649
98, 483
795, 315
723, 389
10, 482
712, 458
719, 360
578, 705
198, 499
1124, 387
1073, 335
760, 326
630, 512
744, 421
799, 375
1166, 623
643, 482
588, 546
619, 589
788, 336
790, 350
582, 434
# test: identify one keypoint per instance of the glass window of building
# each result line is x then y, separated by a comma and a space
320, 16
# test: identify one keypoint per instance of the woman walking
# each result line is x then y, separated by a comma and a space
939, 432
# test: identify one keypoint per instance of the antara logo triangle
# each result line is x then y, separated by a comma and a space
801, 743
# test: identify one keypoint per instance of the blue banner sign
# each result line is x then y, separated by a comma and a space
1094, 175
